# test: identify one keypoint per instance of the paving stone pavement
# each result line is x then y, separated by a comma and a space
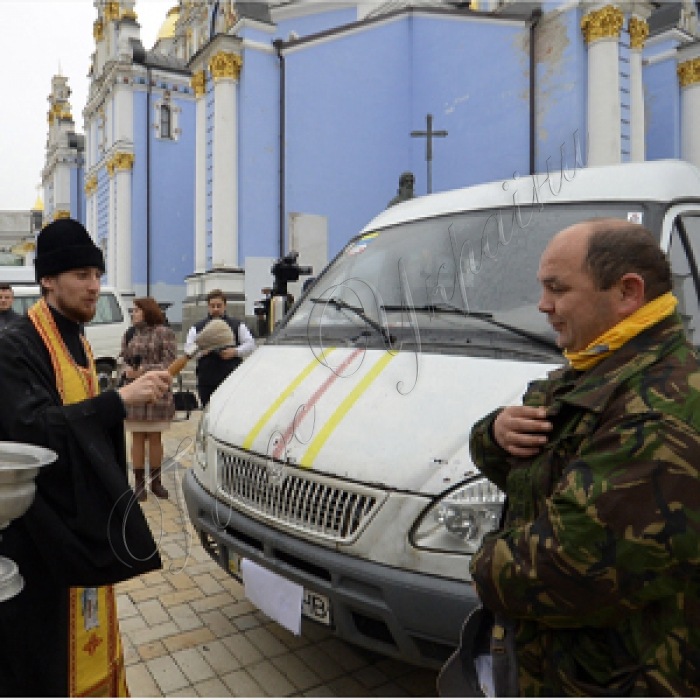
189, 631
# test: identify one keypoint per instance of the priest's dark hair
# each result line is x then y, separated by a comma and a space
152, 313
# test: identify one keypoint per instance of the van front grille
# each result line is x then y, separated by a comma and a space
297, 498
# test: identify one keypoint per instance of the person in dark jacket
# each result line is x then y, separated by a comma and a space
7, 313
83, 533
213, 367
598, 559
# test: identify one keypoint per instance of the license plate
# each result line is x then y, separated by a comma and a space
315, 606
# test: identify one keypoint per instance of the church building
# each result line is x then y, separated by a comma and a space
253, 128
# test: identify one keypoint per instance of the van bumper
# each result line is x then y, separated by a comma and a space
407, 615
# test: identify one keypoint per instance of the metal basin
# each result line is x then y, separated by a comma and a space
19, 465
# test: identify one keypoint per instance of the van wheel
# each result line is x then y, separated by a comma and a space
104, 375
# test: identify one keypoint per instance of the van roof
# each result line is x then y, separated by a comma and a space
661, 180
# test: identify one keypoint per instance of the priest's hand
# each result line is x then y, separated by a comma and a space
148, 387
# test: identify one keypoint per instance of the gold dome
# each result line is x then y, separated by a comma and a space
167, 31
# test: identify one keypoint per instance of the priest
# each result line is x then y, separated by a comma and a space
84, 531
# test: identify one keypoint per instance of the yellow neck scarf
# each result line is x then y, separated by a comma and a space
613, 339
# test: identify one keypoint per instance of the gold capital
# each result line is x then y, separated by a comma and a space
112, 11
225, 65
129, 14
689, 72
98, 30
61, 214
199, 83
59, 111
123, 161
639, 31
603, 23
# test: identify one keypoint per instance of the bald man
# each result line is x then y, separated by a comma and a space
596, 570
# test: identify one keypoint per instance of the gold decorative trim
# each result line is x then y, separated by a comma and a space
59, 112
225, 65
112, 11
130, 14
601, 24
98, 30
91, 185
61, 214
110, 167
689, 72
639, 31
123, 161
199, 83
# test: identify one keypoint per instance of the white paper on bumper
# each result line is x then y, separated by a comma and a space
275, 596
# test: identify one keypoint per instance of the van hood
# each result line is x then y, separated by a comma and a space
398, 420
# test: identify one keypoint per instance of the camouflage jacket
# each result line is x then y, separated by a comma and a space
598, 559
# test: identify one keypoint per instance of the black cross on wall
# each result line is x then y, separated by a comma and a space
429, 134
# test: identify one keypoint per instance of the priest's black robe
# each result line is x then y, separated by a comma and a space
84, 527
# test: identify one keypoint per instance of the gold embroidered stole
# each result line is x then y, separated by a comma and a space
96, 660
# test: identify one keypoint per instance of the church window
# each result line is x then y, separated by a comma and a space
165, 122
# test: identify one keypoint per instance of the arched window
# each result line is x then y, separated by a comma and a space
165, 122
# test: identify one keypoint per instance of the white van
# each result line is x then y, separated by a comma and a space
104, 332
337, 456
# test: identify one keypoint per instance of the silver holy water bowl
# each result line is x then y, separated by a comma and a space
19, 465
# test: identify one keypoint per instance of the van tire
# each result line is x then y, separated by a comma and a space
105, 371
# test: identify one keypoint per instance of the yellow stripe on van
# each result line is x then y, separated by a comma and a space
284, 396
320, 440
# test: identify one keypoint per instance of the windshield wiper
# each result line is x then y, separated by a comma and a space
484, 316
360, 313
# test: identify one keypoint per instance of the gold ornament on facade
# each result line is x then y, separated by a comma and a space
61, 214
112, 11
98, 30
123, 161
603, 23
639, 31
225, 65
689, 72
91, 185
199, 83
130, 14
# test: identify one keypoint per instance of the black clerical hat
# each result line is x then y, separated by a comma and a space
65, 245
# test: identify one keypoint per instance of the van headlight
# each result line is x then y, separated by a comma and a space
458, 522
201, 439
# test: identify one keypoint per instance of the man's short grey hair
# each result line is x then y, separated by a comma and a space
617, 247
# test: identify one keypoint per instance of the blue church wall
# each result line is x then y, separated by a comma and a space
560, 101
348, 106
172, 202
254, 34
314, 23
77, 194
662, 110
258, 155
139, 180
485, 112
103, 184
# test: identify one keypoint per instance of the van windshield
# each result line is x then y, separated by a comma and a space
452, 279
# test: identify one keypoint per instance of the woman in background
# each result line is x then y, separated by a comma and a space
151, 345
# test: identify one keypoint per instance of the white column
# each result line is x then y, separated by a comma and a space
123, 113
689, 79
225, 70
200, 209
638, 31
112, 229
601, 30
123, 163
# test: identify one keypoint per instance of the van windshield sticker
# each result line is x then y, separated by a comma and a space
636, 217
361, 245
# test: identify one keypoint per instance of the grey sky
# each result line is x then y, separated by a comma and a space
36, 36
